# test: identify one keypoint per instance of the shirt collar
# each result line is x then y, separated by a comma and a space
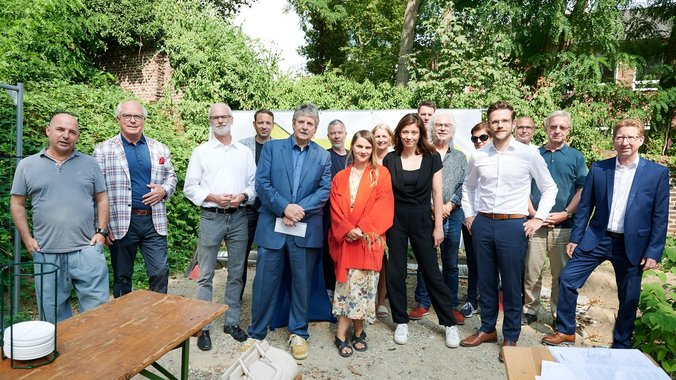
215, 144
142, 140
295, 145
75, 153
630, 165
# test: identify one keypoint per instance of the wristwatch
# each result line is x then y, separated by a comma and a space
570, 214
102, 231
246, 198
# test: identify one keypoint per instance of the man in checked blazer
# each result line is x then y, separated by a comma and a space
140, 179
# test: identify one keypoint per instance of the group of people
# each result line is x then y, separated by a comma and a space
352, 213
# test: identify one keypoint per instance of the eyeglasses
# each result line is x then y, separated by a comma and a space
559, 127
630, 139
130, 116
217, 117
475, 139
443, 125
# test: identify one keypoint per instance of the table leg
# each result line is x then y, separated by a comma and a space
185, 359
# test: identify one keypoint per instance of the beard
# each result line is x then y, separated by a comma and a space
221, 131
338, 146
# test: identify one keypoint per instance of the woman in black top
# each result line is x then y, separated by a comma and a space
415, 168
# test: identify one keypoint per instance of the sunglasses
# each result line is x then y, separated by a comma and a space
475, 139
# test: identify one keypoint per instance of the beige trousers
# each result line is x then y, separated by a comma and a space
551, 241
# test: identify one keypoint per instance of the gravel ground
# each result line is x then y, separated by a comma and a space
425, 356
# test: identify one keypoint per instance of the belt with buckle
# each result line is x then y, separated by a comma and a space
221, 210
141, 212
614, 235
502, 216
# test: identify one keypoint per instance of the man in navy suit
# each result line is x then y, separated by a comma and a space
293, 181
627, 199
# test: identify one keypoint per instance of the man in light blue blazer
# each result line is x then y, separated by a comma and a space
622, 217
293, 181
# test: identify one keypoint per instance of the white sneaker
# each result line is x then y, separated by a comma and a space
452, 338
401, 333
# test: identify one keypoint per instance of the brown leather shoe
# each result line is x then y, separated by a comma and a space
558, 338
501, 355
478, 338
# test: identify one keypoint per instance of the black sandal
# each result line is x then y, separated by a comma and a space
359, 340
343, 344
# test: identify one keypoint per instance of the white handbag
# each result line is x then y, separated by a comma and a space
263, 362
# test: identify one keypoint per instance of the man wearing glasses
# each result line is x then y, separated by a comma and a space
525, 127
220, 179
622, 217
495, 203
140, 179
569, 170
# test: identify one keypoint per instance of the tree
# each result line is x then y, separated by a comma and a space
358, 38
407, 37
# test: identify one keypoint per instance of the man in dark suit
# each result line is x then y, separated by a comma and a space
293, 181
627, 199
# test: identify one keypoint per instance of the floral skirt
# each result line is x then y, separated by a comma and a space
356, 298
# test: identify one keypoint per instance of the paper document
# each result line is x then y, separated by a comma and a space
601, 363
296, 230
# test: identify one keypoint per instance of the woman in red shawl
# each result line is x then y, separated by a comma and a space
362, 209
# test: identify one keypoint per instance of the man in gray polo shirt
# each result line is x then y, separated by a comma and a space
70, 218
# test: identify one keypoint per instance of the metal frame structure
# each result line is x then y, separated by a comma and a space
17, 92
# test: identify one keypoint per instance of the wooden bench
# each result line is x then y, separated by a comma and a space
121, 338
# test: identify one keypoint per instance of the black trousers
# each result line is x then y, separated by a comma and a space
252, 220
415, 224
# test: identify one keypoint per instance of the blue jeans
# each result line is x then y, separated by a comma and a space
214, 228
85, 270
153, 246
449, 261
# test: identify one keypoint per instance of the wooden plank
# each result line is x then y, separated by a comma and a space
524, 363
122, 337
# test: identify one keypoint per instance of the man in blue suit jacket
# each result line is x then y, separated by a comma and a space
293, 181
627, 199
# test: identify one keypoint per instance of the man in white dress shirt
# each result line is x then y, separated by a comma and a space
220, 179
495, 202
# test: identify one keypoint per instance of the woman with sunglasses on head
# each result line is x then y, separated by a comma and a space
481, 135
361, 211
382, 134
415, 167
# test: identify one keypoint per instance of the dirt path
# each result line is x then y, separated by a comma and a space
424, 357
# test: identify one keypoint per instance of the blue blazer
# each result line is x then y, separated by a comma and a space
646, 217
274, 182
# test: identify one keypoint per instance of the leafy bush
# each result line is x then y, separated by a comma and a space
655, 331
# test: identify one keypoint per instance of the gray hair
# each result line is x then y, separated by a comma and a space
433, 120
211, 107
335, 122
306, 109
118, 109
558, 114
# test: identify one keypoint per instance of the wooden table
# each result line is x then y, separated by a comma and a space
524, 363
121, 338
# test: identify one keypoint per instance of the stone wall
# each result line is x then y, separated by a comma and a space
143, 72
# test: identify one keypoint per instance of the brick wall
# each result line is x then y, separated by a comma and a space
145, 72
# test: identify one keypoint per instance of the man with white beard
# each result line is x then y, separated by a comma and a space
220, 179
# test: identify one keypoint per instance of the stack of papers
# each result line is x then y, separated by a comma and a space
29, 340
599, 363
